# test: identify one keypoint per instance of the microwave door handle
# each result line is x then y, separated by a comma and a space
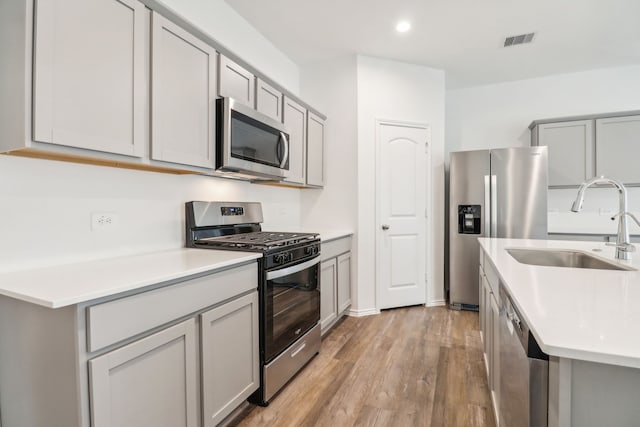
285, 157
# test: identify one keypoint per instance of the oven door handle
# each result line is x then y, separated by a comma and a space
293, 269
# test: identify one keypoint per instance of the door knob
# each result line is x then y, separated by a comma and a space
385, 227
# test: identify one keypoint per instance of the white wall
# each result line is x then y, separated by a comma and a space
405, 92
499, 115
46, 206
231, 30
46, 209
331, 87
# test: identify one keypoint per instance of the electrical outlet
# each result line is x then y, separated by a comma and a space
103, 220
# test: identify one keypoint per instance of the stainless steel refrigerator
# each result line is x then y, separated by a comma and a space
492, 193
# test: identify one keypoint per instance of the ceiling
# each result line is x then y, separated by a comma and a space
462, 37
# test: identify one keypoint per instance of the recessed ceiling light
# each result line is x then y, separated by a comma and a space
403, 26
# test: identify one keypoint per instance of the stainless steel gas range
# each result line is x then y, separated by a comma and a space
288, 286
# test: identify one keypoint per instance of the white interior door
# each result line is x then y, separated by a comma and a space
401, 189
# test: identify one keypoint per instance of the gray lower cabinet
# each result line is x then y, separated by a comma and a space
328, 301
150, 382
230, 365
182, 115
335, 281
170, 356
344, 282
490, 327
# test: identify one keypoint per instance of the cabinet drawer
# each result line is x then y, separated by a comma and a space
335, 247
481, 260
113, 321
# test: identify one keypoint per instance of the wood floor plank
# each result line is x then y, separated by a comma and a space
412, 366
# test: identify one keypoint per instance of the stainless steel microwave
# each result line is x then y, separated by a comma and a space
249, 144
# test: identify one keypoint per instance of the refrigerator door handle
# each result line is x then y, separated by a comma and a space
494, 206
487, 207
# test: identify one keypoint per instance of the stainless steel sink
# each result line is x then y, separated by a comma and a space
563, 258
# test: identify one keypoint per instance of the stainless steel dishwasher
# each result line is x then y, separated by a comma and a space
524, 371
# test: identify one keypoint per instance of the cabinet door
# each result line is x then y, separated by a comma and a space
618, 148
236, 82
89, 75
488, 321
315, 150
328, 281
230, 371
481, 304
268, 100
344, 282
151, 382
571, 151
183, 72
494, 369
295, 119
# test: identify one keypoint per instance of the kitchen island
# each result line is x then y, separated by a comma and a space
586, 320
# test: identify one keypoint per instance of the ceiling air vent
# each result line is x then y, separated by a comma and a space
519, 39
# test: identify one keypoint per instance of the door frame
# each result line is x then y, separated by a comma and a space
428, 205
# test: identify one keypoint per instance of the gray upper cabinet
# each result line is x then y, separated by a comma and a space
89, 74
570, 147
230, 365
151, 382
295, 119
236, 82
315, 150
581, 148
618, 148
183, 78
268, 100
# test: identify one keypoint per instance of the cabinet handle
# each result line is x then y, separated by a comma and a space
385, 227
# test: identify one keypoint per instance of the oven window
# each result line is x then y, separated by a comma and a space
292, 307
255, 141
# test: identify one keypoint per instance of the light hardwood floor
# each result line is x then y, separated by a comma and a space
412, 366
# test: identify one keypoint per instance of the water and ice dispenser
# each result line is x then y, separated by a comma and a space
469, 219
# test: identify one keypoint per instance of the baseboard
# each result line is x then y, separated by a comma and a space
363, 312
436, 303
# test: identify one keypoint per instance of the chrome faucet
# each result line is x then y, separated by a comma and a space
623, 243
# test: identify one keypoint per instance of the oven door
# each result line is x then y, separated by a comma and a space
292, 305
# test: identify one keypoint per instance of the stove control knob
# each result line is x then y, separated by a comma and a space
278, 259
316, 249
308, 250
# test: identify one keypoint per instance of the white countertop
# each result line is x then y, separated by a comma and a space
584, 314
63, 285
327, 236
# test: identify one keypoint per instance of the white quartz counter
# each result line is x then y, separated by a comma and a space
327, 236
68, 284
583, 314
